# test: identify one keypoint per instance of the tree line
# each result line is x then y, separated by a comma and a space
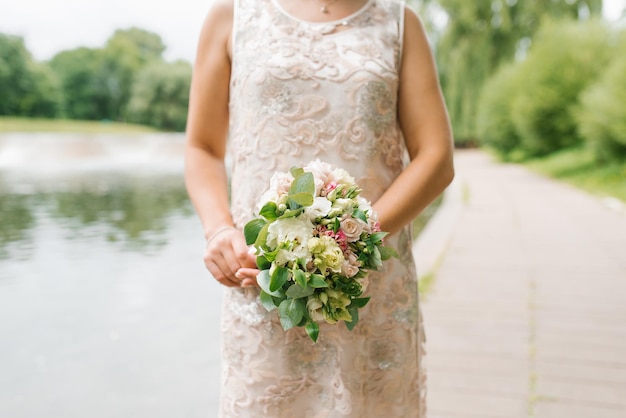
526, 78
125, 80
531, 77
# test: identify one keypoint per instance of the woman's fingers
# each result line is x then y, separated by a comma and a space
247, 275
230, 261
220, 276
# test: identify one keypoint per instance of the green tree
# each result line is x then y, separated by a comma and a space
123, 57
565, 59
483, 34
14, 74
602, 115
528, 109
85, 95
494, 122
27, 88
160, 95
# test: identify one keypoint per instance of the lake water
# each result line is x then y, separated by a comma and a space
105, 307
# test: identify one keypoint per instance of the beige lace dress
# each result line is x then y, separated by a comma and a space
301, 91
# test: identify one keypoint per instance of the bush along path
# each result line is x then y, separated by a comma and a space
526, 316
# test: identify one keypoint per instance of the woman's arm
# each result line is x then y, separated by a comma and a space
207, 130
424, 122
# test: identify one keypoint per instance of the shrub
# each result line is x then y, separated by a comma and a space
494, 124
564, 59
161, 94
602, 114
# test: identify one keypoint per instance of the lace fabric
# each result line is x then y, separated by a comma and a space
299, 91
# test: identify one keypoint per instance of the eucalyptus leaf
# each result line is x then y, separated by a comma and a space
263, 280
304, 183
296, 172
296, 291
267, 301
291, 312
302, 199
279, 278
252, 229
313, 330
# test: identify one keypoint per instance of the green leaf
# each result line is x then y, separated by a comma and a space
267, 301
359, 302
263, 263
300, 277
296, 172
304, 183
317, 281
263, 279
313, 330
292, 213
295, 291
269, 211
358, 213
376, 258
302, 199
252, 229
387, 252
279, 278
291, 312
354, 313
261, 239
377, 237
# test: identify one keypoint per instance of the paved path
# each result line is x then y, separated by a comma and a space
527, 317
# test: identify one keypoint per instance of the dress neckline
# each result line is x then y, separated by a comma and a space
343, 20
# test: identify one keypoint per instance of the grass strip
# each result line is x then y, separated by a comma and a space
15, 124
578, 167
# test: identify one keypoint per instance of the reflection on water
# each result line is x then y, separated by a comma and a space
118, 207
16, 219
105, 307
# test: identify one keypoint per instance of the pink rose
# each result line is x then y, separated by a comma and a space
352, 228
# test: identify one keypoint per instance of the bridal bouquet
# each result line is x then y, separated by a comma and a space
315, 240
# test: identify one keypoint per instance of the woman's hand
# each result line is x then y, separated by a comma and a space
228, 259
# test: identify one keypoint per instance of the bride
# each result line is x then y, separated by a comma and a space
276, 84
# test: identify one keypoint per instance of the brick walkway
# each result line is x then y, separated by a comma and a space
527, 316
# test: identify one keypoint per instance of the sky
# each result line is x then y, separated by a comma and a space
50, 26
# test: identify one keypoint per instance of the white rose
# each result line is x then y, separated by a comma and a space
279, 187
341, 176
268, 196
281, 182
319, 169
320, 208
